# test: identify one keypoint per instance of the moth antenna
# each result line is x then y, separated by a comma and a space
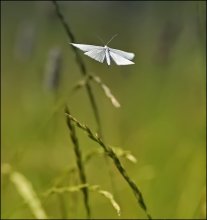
111, 39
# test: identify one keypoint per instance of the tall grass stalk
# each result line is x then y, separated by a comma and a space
53, 69
93, 104
103, 86
26, 190
84, 73
110, 153
94, 188
81, 65
79, 161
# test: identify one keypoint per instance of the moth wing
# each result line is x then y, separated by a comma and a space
97, 54
126, 55
119, 60
86, 47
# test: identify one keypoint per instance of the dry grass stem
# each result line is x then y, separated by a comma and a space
80, 63
103, 86
26, 191
79, 161
108, 150
93, 188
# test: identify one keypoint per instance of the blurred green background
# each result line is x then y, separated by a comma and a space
161, 119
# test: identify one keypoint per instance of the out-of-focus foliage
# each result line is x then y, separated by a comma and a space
161, 120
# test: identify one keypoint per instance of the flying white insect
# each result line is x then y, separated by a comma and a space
100, 53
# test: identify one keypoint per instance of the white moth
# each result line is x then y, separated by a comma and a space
101, 53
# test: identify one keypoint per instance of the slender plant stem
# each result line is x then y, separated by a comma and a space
108, 150
79, 161
84, 73
81, 65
